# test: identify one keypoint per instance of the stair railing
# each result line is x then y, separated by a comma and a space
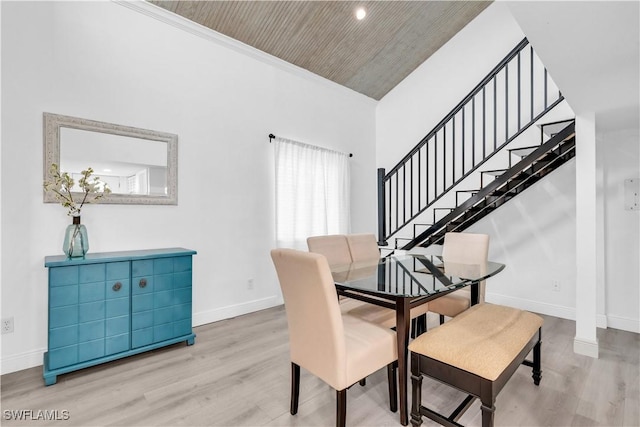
492, 115
567, 132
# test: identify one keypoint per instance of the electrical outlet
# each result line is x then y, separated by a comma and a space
250, 284
7, 325
555, 285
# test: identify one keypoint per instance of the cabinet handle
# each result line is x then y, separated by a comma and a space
117, 286
143, 283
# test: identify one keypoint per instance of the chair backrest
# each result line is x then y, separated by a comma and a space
467, 248
334, 247
316, 331
363, 247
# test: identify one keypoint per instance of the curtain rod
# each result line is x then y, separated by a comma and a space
271, 136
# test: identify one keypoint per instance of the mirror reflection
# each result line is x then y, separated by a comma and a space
139, 165
127, 165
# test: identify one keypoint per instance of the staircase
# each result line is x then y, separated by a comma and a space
474, 161
535, 162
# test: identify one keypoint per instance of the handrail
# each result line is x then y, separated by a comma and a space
439, 162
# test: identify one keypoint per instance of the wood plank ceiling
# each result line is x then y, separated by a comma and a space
370, 56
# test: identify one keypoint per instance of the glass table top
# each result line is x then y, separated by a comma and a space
411, 275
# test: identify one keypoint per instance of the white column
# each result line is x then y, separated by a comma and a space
586, 341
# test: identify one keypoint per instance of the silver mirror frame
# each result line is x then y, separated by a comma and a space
51, 127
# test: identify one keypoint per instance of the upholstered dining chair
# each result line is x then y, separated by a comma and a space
339, 349
334, 247
465, 248
363, 247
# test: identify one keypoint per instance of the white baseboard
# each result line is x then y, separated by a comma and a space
33, 358
18, 362
563, 312
560, 311
586, 347
624, 324
230, 311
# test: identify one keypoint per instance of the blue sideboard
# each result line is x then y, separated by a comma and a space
111, 305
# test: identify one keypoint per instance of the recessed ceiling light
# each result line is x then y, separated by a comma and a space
360, 13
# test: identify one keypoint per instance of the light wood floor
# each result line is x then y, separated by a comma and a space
237, 374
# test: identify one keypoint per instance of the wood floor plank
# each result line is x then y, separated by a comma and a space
237, 374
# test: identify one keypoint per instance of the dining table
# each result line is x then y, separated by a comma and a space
402, 282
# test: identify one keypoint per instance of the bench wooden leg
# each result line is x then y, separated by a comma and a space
416, 391
487, 414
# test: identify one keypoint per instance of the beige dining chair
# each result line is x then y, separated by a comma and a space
334, 247
339, 349
363, 247
464, 248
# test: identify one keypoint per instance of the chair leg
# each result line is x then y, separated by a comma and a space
537, 368
295, 387
392, 369
341, 408
363, 382
416, 391
442, 319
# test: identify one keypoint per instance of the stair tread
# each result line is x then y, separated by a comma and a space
523, 151
495, 172
467, 191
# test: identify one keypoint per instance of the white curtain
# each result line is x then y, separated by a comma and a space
312, 193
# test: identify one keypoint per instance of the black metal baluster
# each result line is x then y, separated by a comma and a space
506, 102
495, 113
444, 156
463, 142
426, 172
453, 147
411, 188
382, 232
532, 105
435, 165
419, 180
404, 193
545, 88
397, 197
473, 132
519, 93
484, 125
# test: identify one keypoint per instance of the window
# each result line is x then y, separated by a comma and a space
312, 193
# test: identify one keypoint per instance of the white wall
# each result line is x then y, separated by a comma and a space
107, 62
535, 233
620, 154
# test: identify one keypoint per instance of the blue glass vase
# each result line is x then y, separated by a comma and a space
76, 242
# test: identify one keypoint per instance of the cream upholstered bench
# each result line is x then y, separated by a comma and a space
475, 352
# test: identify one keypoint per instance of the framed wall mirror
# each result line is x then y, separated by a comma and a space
139, 165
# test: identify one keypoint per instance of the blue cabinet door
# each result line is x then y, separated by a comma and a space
161, 289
